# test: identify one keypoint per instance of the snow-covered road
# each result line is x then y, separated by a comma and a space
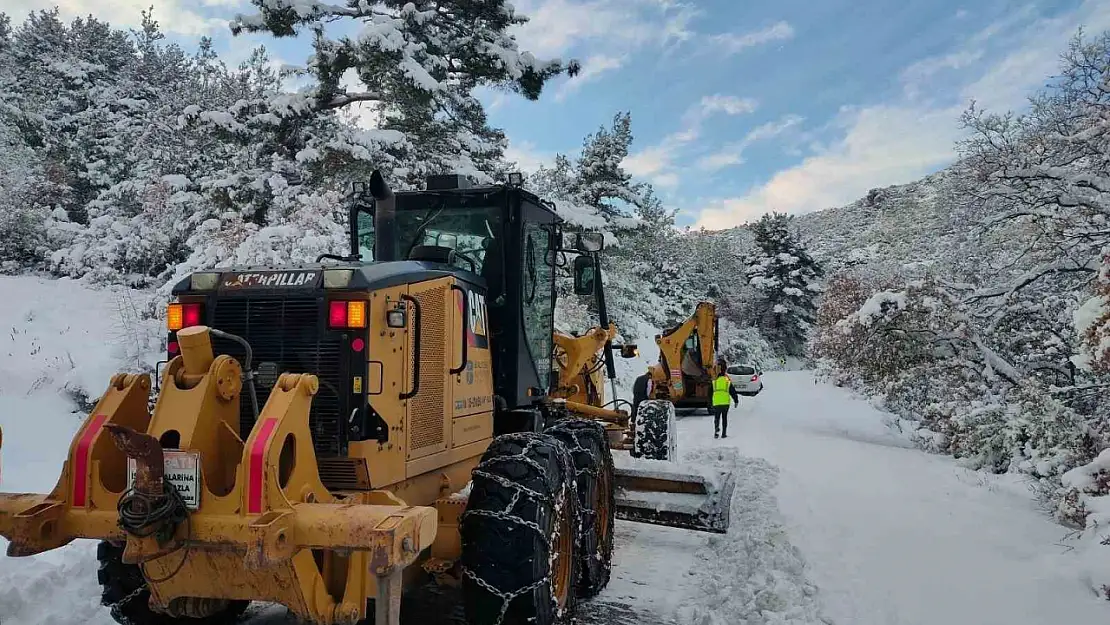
895, 536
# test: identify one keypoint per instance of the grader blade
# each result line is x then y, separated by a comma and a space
682, 500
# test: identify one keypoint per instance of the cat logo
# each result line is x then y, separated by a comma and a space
477, 320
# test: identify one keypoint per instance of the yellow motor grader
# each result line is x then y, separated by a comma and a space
326, 435
581, 361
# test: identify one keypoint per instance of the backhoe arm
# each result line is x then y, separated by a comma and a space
672, 344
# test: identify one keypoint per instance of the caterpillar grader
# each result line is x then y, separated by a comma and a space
327, 435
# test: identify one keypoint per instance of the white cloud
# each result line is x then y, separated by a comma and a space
728, 104
592, 69
527, 158
656, 163
734, 154
881, 144
727, 157
173, 16
556, 27
653, 163
734, 43
920, 72
900, 141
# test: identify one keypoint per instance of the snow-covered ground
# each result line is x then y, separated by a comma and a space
835, 518
895, 536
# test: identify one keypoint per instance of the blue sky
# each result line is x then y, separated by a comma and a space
739, 108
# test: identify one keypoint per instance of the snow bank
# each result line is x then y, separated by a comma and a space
752, 575
62, 341
63, 337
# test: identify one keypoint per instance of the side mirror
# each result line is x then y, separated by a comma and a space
585, 275
629, 351
581, 241
589, 241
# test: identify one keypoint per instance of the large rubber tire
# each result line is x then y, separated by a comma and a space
656, 434
593, 463
123, 589
519, 533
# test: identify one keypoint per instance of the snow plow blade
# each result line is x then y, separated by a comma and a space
683, 500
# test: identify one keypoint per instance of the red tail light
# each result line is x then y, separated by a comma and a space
755, 378
179, 316
346, 314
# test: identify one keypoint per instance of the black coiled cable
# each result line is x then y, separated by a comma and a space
144, 515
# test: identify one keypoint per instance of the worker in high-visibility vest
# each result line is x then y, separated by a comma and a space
723, 390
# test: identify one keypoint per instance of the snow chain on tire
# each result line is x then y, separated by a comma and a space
522, 510
656, 436
124, 591
593, 465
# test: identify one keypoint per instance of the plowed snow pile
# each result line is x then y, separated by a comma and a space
61, 343
752, 575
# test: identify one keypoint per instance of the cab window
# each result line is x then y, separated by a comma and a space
469, 230
537, 294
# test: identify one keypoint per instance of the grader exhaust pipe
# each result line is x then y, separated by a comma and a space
385, 218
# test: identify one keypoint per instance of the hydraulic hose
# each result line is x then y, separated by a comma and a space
248, 373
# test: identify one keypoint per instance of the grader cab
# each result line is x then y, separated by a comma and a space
327, 435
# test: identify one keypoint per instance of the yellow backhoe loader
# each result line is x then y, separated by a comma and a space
326, 435
687, 362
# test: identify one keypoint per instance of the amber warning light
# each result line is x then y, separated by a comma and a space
343, 315
180, 316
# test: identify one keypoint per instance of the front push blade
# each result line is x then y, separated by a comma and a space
682, 500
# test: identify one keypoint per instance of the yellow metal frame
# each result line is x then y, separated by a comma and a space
267, 530
580, 370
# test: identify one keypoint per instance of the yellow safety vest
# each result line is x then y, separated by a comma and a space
720, 391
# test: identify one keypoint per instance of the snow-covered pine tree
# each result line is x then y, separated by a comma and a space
600, 180
418, 62
22, 210
786, 276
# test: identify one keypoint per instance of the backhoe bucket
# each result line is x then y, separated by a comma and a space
683, 500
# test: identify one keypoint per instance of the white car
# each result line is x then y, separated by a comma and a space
747, 379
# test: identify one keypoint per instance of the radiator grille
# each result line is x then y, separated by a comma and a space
427, 408
289, 332
344, 473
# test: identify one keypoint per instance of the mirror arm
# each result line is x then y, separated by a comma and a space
603, 314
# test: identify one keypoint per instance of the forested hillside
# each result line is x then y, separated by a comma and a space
973, 303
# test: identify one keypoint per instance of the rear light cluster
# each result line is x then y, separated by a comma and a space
180, 316
755, 378
344, 315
